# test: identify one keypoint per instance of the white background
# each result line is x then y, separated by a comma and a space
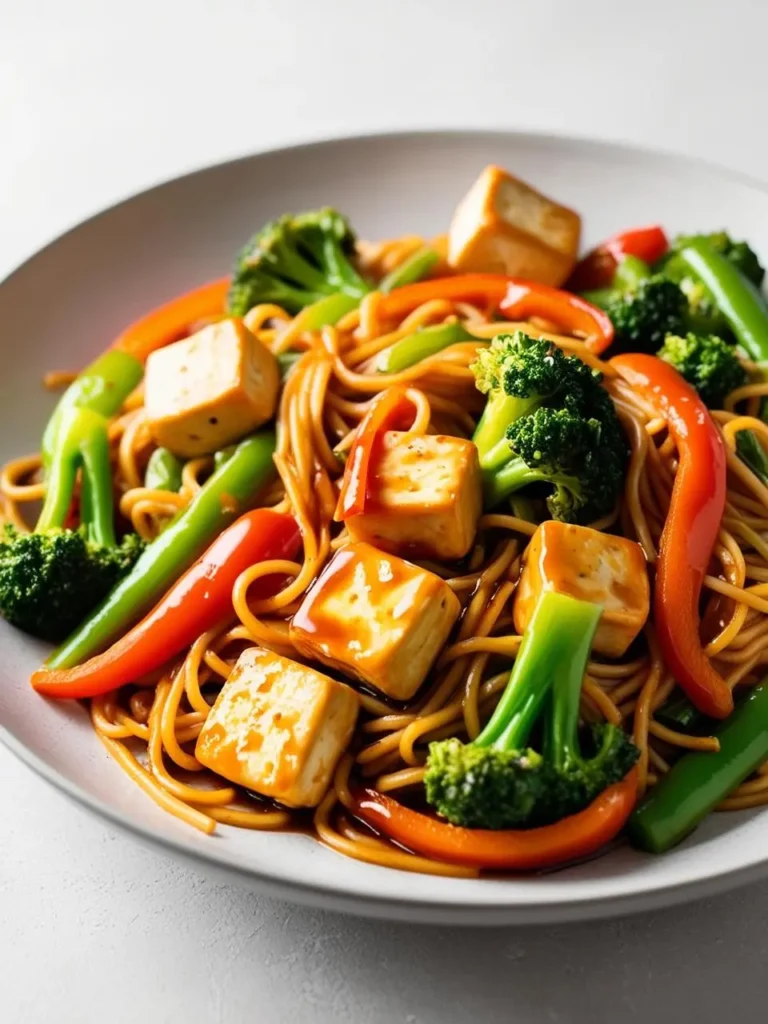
99, 99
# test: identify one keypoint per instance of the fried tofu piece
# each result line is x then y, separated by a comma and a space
278, 728
592, 566
504, 226
210, 389
376, 618
427, 497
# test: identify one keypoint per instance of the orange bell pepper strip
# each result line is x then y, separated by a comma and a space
597, 268
578, 835
200, 599
515, 298
171, 321
391, 410
690, 531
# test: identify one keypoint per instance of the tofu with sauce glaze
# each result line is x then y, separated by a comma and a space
208, 390
377, 618
504, 226
592, 566
426, 497
278, 728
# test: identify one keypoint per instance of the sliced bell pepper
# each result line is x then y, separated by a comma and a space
194, 604
389, 411
514, 298
171, 321
693, 522
506, 849
597, 268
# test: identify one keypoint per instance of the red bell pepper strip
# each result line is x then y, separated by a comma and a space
597, 268
570, 312
195, 603
512, 297
391, 410
693, 522
573, 837
171, 321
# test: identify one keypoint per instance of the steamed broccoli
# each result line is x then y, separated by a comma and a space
50, 581
497, 781
548, 423
295, 261
708, 363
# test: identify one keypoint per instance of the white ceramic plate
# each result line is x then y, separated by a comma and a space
62, 307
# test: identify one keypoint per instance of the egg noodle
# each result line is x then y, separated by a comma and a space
149, 728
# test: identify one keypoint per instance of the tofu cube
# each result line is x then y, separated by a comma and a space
278, 728
210, 389
592, 566
377, 618
504, 226
427, 497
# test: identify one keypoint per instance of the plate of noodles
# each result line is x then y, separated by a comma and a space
385, 524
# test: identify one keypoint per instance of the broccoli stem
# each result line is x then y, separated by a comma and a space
81, 442
96, 489
514, 474
491, 431
553, 654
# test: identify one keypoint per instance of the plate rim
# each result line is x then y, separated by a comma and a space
336, 896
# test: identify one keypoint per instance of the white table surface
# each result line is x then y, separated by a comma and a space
99, 99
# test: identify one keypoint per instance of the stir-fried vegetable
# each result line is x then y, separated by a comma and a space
51, 579
497, 781
195, 603
708, 363
701, 779
597, 268
548, 846
693, 522
231, 489
416, 267
163, 472
547, 422
172, 320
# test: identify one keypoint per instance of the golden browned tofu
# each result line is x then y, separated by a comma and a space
426, 497
593, 566
504, 226
377, 618
278, 728
210, 389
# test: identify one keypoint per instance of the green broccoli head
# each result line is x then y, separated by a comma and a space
522, 367
611, 754
643, 316
482, 787
708, 363
295, 261
50, 581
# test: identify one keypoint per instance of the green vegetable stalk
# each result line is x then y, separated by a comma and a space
423, 343
414, 269
163, 472
496, 781
697, 783
228, 492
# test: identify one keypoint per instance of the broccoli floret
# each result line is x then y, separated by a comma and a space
644, 315
548, 423
50, 581
295, 261
498, 781
707, 362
